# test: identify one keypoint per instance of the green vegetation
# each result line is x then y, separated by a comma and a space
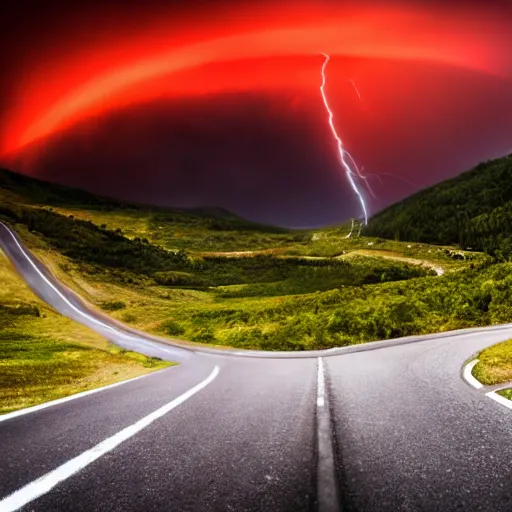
113, 305
472, 210
44, 356
208, 229
507, 393
348, 315
495, 365
172, 328
210, 277
272, 276
471, 296
113, 256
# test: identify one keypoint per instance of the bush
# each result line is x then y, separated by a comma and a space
172, 328
114, 305
20, 309
171, 278
205, 335
129, 317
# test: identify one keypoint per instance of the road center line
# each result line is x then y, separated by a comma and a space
328, 495
320, 393
47, 482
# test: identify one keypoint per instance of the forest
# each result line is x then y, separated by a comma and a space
473, 210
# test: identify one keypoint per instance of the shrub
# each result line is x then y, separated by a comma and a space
171, 278
129, 317
205, 334
172, 328
20, 309
113, 305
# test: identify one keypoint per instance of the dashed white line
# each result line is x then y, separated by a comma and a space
47, 482
327, 484
468, 377
320, 396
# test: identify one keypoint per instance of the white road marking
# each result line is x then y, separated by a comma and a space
468, 375
320, 396
47, 482
500, 399
327, 488
55, 289
64, 399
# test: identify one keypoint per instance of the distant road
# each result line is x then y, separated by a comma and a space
69, 304
389, 426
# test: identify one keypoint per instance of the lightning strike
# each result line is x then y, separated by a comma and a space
360, 174
351, 175
356, 89
351, 229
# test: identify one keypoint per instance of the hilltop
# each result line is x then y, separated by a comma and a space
19, 188
472, 210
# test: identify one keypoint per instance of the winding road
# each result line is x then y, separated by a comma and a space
386, 426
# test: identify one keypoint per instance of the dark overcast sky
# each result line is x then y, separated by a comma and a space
247, 131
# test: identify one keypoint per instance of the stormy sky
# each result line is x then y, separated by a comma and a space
218, 103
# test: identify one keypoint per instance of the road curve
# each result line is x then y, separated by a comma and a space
62, 299
223, 433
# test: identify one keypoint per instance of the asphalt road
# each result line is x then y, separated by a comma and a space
389, 426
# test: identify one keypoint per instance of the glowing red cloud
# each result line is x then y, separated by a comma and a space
88, 83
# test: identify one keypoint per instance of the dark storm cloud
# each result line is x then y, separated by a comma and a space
269, 157
272, 159
249, 153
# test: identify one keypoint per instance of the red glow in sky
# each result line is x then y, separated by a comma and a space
76, 81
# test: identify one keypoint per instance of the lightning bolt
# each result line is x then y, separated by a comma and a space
356, 89
351, 229
351, 175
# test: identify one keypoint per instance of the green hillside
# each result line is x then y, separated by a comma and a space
131, 255
472, 210
208, 276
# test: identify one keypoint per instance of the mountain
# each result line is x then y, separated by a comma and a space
16, 189
473, 210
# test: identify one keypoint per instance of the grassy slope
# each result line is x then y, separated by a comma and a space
207, 229
45, 356
495, 365
345, 315
201, 315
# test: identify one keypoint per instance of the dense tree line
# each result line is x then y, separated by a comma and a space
473, 210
